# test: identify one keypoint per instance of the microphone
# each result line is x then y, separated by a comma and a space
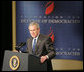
20, 45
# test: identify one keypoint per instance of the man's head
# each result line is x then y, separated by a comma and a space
34, 29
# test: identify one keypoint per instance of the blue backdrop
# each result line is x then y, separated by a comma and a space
64, 18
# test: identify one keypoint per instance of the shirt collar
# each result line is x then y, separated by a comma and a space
37, 36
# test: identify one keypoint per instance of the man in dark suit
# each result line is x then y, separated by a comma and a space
42, 47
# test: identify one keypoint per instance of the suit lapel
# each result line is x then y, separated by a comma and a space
30, 45
38, 43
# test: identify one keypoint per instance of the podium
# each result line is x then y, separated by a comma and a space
15, 61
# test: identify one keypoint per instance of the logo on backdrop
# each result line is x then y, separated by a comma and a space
49, 7
14, 62
51, 34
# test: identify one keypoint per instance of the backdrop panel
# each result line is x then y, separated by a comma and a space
62, 20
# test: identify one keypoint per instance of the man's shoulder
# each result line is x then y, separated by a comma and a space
29, 38
44, 36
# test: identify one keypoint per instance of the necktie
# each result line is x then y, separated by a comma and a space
34, 43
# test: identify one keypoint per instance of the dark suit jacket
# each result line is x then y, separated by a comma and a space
43, 47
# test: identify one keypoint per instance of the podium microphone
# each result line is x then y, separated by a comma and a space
20, 45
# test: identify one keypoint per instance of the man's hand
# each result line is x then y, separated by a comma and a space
43, 58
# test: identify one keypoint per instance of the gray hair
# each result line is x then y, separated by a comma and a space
34, 23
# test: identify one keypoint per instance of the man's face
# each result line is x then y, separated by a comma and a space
34, 31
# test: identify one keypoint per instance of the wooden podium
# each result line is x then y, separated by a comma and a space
15, 61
